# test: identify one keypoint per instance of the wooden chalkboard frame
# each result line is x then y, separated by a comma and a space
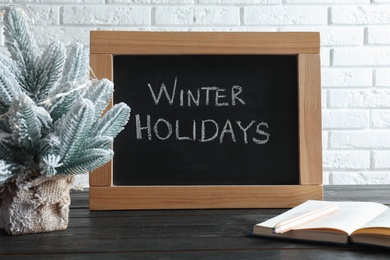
306, 45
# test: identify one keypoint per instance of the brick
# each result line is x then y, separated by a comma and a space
354, 178
331, 36
327, 1
150, 1
282, 15
67, 35
237, 2
350, 119
362, 56
378, 35
382, 78
197, 16
381, 159
71, 1
325, 178
324, 139
44, 15
325, 57
20, 1
359, 139
242, 29
335, 77
380, 118
366, 14
365, 98
346, 160
324, 96
107, 15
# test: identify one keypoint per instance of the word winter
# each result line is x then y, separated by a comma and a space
204, 131
204, 95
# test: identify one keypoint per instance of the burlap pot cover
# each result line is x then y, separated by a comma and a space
35, 205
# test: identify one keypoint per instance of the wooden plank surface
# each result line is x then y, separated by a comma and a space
310, 129
190, 197
114, 42
181, 234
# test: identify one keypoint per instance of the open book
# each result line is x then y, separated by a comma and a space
354, 222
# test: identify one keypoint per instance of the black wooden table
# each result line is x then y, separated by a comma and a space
182, 234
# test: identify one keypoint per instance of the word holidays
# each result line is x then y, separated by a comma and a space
206, 130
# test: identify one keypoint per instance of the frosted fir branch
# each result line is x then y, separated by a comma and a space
22, 10
49, 164
18, 25
21, 43
8, 151
23, 120
6, 63
44, 119
4, 125
62, 98
90, 160
9, 88
113, 121
5, 171
50, 68
74, 128
50, 145
100, 94
64, 90
103, 142
76, 67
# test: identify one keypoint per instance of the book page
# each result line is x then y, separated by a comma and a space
303, 208
381, 222
350, 216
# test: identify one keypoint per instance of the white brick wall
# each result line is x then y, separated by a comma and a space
355, 58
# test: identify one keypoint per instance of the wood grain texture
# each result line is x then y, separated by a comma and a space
310, 131
111, 42
190, 197
182, 234
102, 67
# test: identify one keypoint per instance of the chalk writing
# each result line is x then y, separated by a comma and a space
205, 130
219, 98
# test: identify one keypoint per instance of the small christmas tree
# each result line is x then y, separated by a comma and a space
51, 119
51, 114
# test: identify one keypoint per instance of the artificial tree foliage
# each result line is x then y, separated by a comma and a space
51, 118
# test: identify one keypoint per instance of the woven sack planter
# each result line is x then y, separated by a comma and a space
34, 205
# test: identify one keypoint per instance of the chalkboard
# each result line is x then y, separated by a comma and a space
219, 120
207, 120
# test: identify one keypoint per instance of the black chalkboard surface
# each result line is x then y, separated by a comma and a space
207, 120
